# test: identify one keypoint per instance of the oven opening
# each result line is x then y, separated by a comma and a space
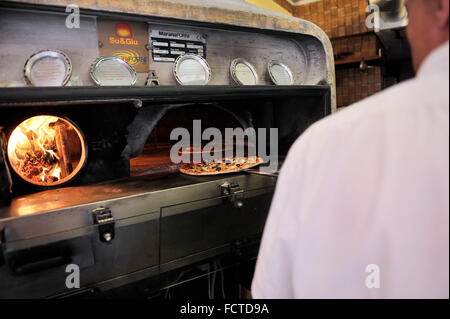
46, 150
155, 157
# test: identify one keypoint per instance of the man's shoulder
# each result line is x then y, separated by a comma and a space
370, 116
392, 100
407, 97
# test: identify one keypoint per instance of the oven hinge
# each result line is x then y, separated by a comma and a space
105, 221
234, 192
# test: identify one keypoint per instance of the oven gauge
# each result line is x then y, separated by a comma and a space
243, 73
280, 73
191, 69
48, 68
112, 71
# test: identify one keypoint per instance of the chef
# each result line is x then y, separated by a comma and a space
361, 208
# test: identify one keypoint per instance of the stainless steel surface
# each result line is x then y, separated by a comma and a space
394, 9
243, 72
47, 30
46, 212
244, 30
280, 73
165, 218
23, 33
191, 69
307, 53
390, 22
112, 71
48, 68
392, 14
137, 249
258, 172
222, 47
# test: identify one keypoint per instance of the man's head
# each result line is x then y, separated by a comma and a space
428, 27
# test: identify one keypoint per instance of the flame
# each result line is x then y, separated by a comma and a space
32, 150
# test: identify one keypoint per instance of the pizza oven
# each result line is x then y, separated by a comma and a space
86, 173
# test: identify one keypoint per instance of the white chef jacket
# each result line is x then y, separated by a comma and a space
361, 208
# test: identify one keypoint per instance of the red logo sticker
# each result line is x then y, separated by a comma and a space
123, 30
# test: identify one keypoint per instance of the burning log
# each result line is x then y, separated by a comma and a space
61, 140
37, 163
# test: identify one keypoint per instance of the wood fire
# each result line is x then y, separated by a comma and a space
43, 150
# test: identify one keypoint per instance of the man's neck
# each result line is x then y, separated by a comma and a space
436, 61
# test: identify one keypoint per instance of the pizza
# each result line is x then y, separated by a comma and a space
225, 166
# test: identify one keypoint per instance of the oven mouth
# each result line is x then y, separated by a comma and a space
47, 150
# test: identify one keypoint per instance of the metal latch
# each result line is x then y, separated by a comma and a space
104, 218
235, 193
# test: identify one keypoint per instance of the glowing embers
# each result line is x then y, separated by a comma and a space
46, 150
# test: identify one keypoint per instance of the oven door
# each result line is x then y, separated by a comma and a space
48, 266
199, 230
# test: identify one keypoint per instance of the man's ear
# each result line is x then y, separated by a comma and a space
441, 13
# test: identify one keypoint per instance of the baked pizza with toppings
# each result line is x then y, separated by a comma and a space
226, 166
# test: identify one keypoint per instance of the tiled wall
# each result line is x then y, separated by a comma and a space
356, 48
353, 84
338, 18
345, 23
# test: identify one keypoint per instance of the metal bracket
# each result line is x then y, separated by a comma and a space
138, 104
235, 193
152, 79
104, 218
